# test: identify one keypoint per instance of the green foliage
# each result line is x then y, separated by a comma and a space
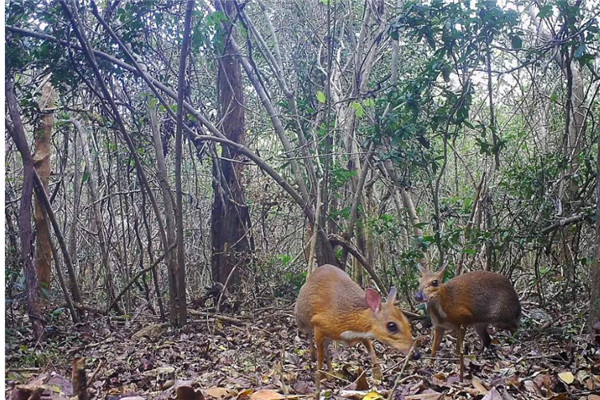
340, 176
297, 279
321, 97
436, 97
285, 259
358, 109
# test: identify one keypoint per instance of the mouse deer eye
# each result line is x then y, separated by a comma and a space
392, 327
435, 283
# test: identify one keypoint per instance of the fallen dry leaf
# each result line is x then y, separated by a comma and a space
567, 377
372, 396
153, 331
219, 393
361, 382
425, 396
244, 394
479, 386
266, 394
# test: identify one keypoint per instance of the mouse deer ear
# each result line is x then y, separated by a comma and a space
392, 295
373, 300
443, 269
421, 268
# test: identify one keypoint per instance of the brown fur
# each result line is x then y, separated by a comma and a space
473, 299
331, 303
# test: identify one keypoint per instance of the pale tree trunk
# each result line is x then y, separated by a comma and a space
232, 243
163, 182
41, 162
72, 245
408, 204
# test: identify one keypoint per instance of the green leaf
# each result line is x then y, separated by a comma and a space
321, 97
285, 259
545, 11
358, 108
580, 51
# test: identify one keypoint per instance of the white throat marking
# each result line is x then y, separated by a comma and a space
352, 335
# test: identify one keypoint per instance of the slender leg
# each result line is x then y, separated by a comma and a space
376, 370
327, 355
320, 341
438, 334
311, 345
459, 349
483, 334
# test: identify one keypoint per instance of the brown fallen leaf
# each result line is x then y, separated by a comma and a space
479, 386
244, 394
545, 381
219, 393
560, 396
266, 394
361, 382
425, 396
152, 331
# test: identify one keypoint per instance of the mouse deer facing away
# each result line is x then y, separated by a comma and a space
331, 306
475, 299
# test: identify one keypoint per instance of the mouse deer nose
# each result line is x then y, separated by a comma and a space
419, 296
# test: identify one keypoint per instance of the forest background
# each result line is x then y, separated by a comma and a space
166, 157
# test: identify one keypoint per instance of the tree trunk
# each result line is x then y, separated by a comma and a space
232, 242
41, 162
180, 293
77, 182
18, 134
163, 182
594, 317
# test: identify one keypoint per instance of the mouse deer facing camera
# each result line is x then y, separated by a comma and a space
331, 306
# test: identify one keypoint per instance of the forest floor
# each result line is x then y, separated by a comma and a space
259, 356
